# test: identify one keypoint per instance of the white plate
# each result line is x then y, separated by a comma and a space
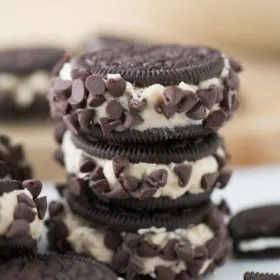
249, 187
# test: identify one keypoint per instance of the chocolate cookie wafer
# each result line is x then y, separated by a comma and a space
13, 164
24, 80
146, 93
167, 175
22, 212
255, 232
148, 245
260, 276
53, 267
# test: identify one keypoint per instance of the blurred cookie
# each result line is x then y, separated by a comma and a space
260, 276
146, 93
21, 217
24, 80
256, 232
54, 267
13, 164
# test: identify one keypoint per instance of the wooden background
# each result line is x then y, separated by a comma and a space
248, 30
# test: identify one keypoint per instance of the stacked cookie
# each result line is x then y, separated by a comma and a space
137, 134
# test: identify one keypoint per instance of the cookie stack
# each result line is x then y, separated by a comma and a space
137, 134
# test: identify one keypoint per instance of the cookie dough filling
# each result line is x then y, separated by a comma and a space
259, 244
174, 179
148, 249
23, 89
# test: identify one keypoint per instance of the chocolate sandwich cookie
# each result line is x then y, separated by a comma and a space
13, 164
255, 232
54, 267
187, 243
166, 175
260, 276
24, 80
21, 217
146, 93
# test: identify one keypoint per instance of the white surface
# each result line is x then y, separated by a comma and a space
249, 187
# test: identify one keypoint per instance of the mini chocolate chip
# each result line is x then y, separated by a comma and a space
216, 120
172, 96
184, 251
62, 85
79, 73
169, 252
95, 85
75, 186
97, 174
130, 183
34, 186
100, 186
147, 249
120, 260
95, 100
119, 164
224, 208
136, 106
114, 109
212, 247
86, 165
85, 119
183, 171
107, 125
116, 87
168, 111
72, 123
164, 273
59, 129
55, 208
78, 92
23, 211
232, 81
157, 178
113, 240
145, 193
18, 228
209, 180
131, 119
59, 156
195, 267
189, 100
131, 240
22, 197
201, 253
235, 103
183, 275
135, 267
41, 204
198, 112
235, 65
224, 178
208, 97
117, 192
227, 100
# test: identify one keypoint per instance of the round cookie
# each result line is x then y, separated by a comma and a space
142, 248
22, 212
24, 80
167, 175
146, 93
54, 266
13, 164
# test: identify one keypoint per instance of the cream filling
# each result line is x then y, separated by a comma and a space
259, 244
25, 88
73, 157
8, 203
89, 239
152, 94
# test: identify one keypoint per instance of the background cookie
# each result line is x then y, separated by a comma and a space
24, 80
54, 267
122, 95
13, 164
22, 212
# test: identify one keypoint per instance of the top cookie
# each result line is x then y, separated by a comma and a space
146, 93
